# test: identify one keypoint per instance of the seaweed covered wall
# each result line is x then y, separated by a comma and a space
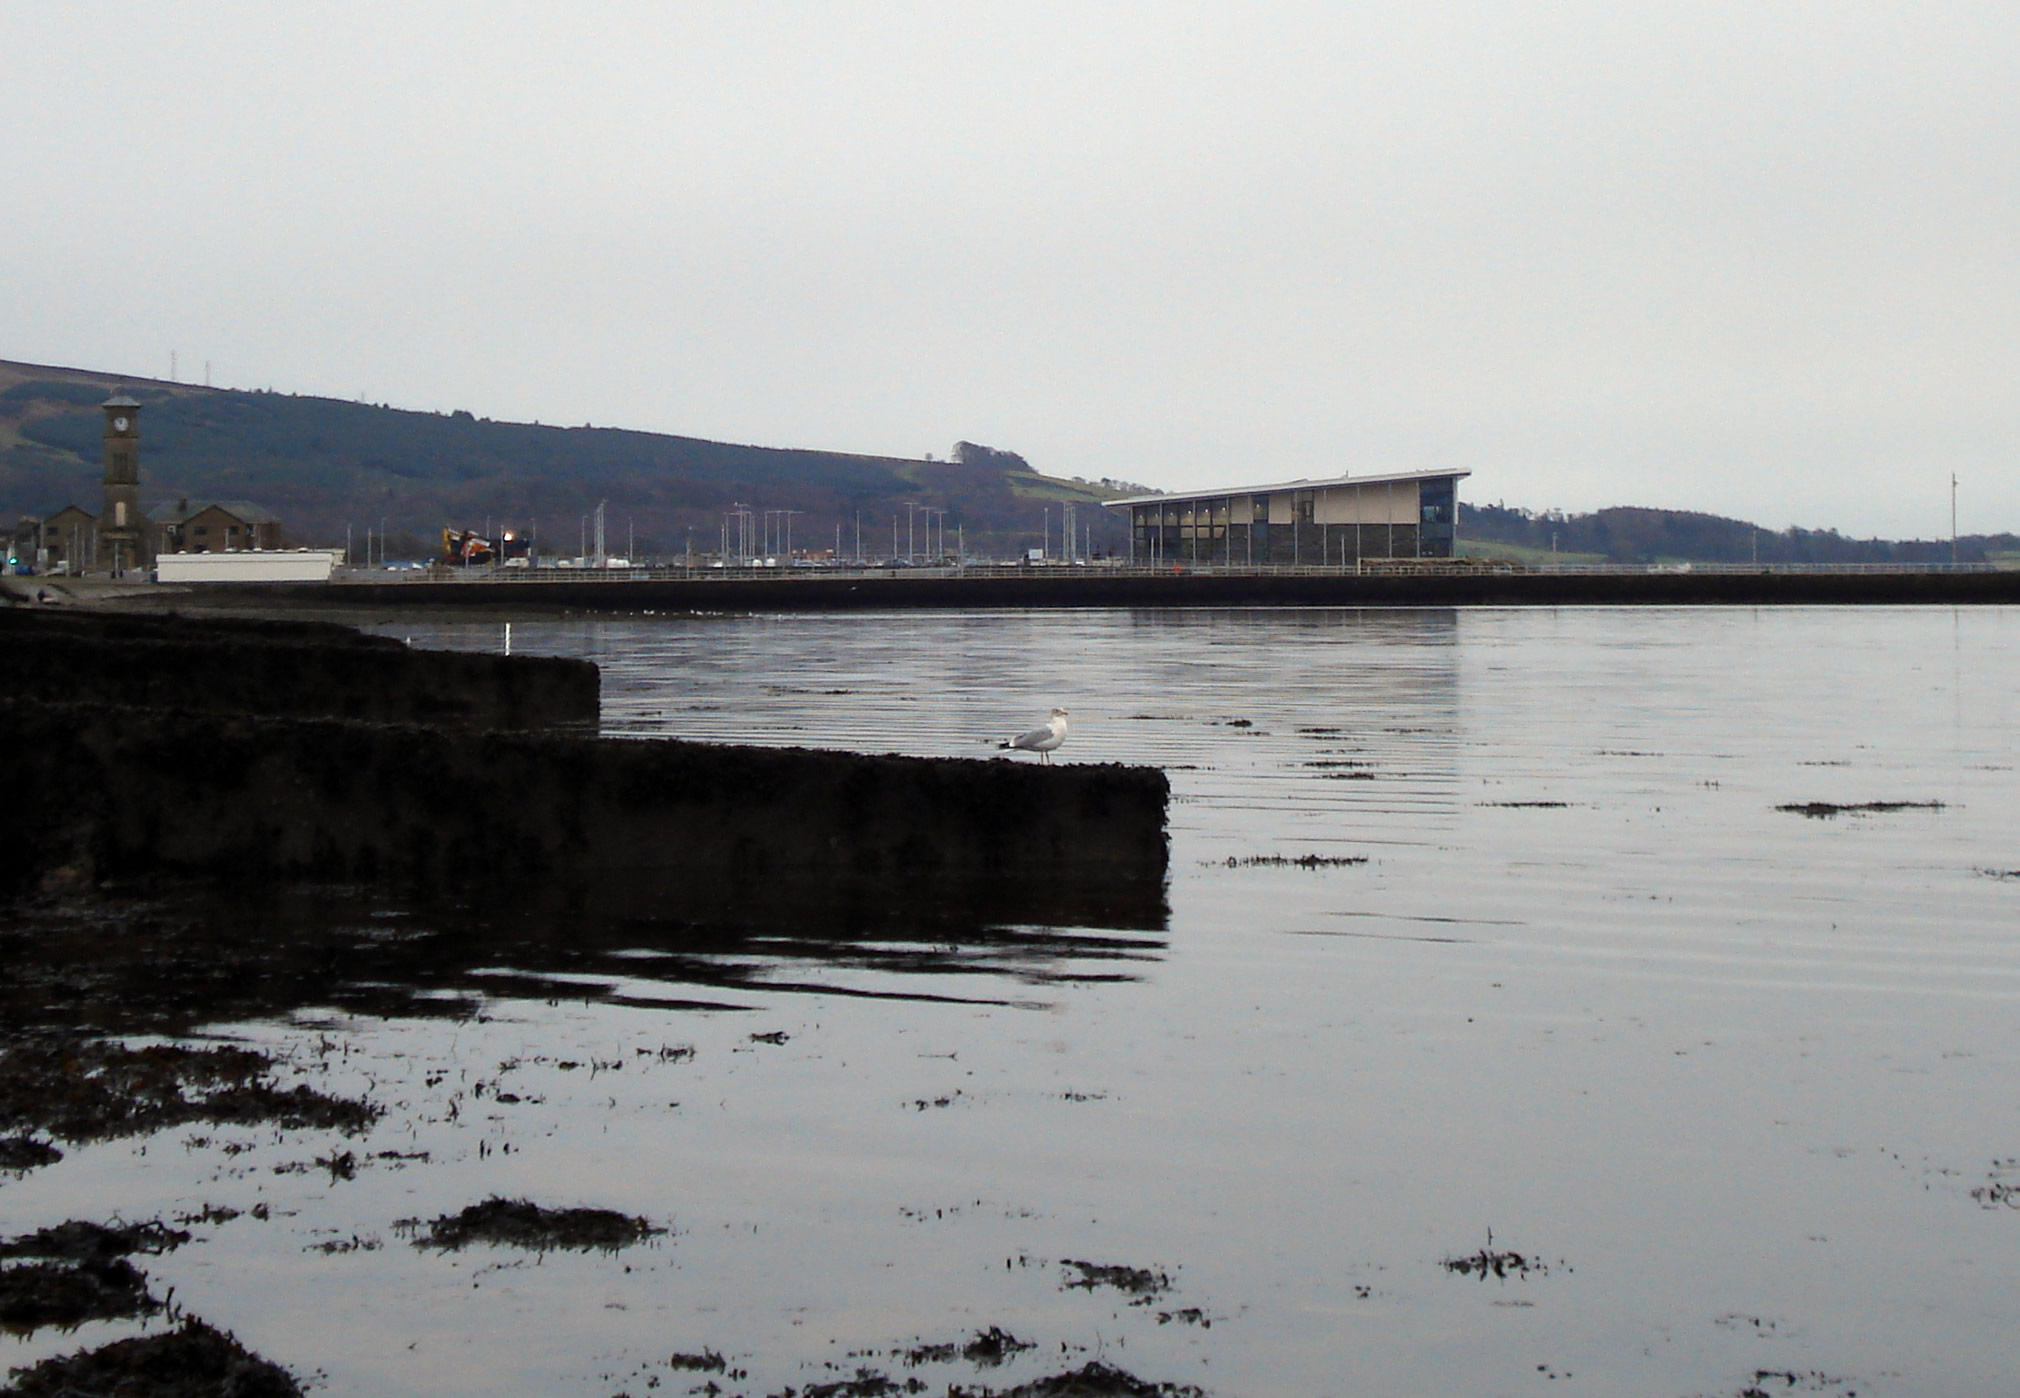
582, 826
298, 668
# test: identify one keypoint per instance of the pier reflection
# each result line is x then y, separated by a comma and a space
173, 962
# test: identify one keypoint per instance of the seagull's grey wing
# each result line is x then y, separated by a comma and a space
1031, 738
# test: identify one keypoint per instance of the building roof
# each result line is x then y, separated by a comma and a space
1326, 483
119, 400
182, 511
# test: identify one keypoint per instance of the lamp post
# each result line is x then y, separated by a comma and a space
739, 512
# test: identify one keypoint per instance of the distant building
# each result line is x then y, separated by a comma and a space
212, 526
69, 539
1339, 521
123, 538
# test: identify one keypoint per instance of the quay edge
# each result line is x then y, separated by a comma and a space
1094, 587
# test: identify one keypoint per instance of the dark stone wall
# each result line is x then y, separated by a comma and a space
1096, 587
586, 827
305, 669
254, 752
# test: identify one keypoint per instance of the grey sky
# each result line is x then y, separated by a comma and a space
1753, 258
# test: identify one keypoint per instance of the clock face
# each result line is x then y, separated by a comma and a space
119, 424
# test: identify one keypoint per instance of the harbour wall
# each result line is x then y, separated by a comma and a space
138, 748
580, 826
1095, 587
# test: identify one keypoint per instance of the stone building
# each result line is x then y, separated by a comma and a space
212, 526
69, 539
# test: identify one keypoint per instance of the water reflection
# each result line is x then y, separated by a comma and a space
183, 959
1559, 968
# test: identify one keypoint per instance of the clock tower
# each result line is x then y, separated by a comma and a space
122, 532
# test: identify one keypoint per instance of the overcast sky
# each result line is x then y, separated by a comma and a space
1756, 258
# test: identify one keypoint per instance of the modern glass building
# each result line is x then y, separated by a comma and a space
1339, 522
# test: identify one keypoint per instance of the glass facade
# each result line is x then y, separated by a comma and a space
1320, 525
1438, 516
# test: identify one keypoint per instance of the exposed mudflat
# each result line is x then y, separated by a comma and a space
1551, 1057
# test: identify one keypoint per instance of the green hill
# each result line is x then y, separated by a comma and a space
1629, 534
322, 464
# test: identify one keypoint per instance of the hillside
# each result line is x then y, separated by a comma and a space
322, 464
1629, 534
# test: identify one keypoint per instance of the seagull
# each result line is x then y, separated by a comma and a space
1041, 740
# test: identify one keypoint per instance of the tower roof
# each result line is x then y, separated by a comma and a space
119, 400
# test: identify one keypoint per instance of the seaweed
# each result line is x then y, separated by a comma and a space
1092, 1380
96, 1089
522, 1223
82, 1241
22, 1153
192, 1361
63, 1293
1498, 1262
1143, 1283
1831, 810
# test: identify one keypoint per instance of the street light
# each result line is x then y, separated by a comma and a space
739, 512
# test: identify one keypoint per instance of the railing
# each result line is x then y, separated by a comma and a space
1758, 568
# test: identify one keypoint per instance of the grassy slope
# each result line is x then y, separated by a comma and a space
1521, 553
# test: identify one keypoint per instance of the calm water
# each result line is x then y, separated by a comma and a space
1729, 1073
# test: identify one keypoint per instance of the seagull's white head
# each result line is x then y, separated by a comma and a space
1059, 713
